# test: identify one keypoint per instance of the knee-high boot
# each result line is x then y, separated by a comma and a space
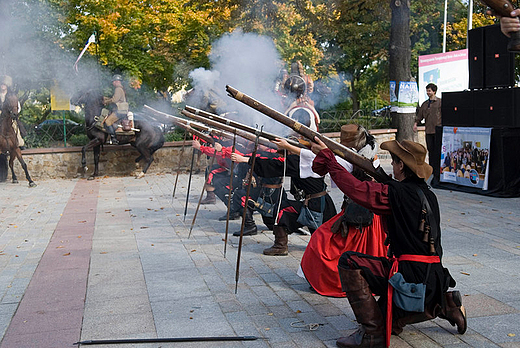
250, 228
281, 239
455, 312
371, 333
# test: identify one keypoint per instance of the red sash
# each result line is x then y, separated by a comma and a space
394, 270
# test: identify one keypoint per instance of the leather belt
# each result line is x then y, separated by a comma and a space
272, 186
314, 195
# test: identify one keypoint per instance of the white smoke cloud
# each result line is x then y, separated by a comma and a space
249, 63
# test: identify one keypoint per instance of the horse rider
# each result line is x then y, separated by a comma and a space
118, 107
6, 82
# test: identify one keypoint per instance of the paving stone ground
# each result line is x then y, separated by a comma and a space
111, 259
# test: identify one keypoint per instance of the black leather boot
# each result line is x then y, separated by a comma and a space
371, 333
249, 227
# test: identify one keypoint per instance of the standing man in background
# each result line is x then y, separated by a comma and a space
430, 111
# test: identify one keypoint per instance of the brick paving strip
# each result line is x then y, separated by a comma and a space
51, 311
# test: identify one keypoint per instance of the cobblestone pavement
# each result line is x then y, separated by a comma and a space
116, 251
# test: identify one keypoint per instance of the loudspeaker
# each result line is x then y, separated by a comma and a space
495, 107
457, 109
499, 63
476, 58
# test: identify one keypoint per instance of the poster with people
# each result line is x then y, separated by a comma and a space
465, 156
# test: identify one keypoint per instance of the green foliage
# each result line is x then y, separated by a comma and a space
176, 135
78, 140
154, 44
34, 140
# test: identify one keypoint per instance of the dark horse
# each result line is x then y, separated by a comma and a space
148, 140
8, 139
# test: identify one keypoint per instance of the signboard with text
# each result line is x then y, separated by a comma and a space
449, 71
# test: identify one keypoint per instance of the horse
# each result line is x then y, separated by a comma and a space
8, 139
148, 140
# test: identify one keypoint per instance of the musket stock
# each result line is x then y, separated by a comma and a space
339, 149
503, 8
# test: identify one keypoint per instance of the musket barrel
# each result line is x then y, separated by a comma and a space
230, 129
239, 125
301, 129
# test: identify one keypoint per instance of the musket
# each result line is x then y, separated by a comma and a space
503, 8
246, 201
183, 123
239, 125
229, 129
188, 127
179, 165
339, 149
231, 169
166, 339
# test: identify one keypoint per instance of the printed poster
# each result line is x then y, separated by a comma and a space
465, 156
408, 98
449, 71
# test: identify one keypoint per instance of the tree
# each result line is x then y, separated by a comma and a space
148, 40
400, 55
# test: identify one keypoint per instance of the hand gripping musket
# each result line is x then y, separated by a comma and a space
231, 169
503, 8
246, 200
229, 129
239, 125
339, 149
179, 164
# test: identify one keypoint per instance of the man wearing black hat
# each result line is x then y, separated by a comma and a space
412, 283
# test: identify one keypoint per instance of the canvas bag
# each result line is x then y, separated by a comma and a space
310, 218
408, 296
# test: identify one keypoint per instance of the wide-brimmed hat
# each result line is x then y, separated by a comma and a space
412, 154
352, 136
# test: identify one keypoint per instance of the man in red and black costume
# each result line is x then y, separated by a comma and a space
412, 217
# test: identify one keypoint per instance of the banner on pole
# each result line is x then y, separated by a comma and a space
449, 71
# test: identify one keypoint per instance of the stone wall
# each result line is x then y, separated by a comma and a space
119, 160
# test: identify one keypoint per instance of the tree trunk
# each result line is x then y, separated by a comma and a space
400, 54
